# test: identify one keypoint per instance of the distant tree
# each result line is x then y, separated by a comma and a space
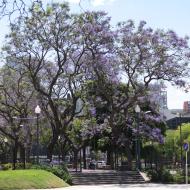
16, 106
172, 144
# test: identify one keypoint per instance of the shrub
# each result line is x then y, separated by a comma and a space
60, 171
7, 166
19, 165
161, 175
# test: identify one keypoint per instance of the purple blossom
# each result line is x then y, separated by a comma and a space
141, 25
180, 83
152, 118
149, 133
92, 111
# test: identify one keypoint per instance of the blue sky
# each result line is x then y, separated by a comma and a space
165, 14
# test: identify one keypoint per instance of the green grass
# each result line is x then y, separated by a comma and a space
29, 179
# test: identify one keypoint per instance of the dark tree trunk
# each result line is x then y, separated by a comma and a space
76, 160
116, 159
84, 157
63, 155
110, 159
23, 156
28, 151
15, 150
129, 157
51, 146
64, 150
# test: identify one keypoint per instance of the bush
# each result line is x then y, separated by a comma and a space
166, 176
60, 171
179, 178
19, 165
161, 175
7, 166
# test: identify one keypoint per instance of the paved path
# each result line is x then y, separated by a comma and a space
128, 187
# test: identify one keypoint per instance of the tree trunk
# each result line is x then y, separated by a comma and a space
23, 156
64, 150
129, 157
28, 151
15, 150
51, 146
110, 159
75, 160
84, 157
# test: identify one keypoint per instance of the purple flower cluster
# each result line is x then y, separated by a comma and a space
93, 111
153, 118
149, 133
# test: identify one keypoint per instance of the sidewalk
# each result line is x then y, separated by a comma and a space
148, 186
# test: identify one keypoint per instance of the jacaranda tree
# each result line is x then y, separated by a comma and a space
63, 53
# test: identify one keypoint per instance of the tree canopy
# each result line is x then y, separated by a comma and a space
67, 58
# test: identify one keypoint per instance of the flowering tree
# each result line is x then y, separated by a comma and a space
56, 49
146, 55
63, 54
117, 125
143, 56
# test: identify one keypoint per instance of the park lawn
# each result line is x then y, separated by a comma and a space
29, 179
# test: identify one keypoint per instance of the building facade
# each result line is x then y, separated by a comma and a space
186, 106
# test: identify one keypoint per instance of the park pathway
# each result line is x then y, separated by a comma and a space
147, 186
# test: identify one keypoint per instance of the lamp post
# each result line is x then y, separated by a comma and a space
138, 163
181, 146
59, 148
5, 141
37, 112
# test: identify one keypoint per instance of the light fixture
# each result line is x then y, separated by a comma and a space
5, 140
137, 109
37, 109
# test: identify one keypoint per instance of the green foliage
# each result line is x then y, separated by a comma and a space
162, 175
178, 178
175, 134
59, 171
48, 10
172, 141
165, 176
9, 166
151, 152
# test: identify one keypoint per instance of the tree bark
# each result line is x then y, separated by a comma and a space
84, 157
129, 157
110, 159
23, 156
75, 160
51, 146
15, 150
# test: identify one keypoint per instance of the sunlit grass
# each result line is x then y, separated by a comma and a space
29, 179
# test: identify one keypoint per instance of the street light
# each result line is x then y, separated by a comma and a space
181, 148
5, 141
138, 163
59, 148
37, 112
